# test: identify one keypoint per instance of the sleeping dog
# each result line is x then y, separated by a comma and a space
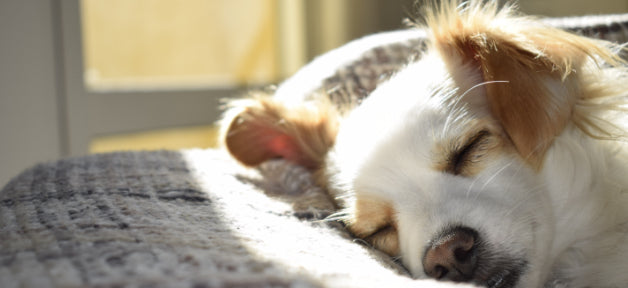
497, 158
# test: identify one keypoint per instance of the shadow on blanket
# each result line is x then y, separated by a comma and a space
178, 219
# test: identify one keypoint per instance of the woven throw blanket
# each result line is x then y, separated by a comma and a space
197, 218
178, 219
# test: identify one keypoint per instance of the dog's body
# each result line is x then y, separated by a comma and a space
495, 159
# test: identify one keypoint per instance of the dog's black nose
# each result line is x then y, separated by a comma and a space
452, 255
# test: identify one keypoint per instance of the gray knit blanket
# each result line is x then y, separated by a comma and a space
197, 218
191, 218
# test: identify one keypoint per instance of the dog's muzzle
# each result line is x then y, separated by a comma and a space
459, 255
452, 255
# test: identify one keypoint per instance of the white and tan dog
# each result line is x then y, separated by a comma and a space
496, 159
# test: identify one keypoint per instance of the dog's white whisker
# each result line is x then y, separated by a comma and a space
523, 201
457, 107
397, 259
490, 179
480, 85
519, 169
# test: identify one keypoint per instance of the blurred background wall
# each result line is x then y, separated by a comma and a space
79, 77
29, 106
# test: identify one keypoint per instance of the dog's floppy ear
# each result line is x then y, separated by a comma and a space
535, 68
262, 128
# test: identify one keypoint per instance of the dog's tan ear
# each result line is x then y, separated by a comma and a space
535, 68
262, 128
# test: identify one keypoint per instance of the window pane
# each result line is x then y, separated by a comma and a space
138, 44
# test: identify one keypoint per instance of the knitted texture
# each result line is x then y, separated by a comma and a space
177, 219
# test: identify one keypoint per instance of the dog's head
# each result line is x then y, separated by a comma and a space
442, 164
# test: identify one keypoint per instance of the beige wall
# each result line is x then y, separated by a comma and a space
165, 43
29, 130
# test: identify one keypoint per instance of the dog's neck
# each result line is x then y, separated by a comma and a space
588, 190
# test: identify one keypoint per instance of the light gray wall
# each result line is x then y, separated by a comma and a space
29, 120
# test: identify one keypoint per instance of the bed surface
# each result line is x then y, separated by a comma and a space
192, 218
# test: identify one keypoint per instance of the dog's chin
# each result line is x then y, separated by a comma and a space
505, 272
493, 270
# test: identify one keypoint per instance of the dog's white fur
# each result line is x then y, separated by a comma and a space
546, 186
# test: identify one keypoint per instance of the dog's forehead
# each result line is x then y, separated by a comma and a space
415, 108
387, 154
380, 126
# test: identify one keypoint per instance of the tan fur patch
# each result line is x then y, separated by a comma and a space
263, 128
529, 111
374, 221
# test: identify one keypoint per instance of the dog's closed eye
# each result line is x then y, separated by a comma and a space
462, 157
374, 221
468, 154
385, 238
